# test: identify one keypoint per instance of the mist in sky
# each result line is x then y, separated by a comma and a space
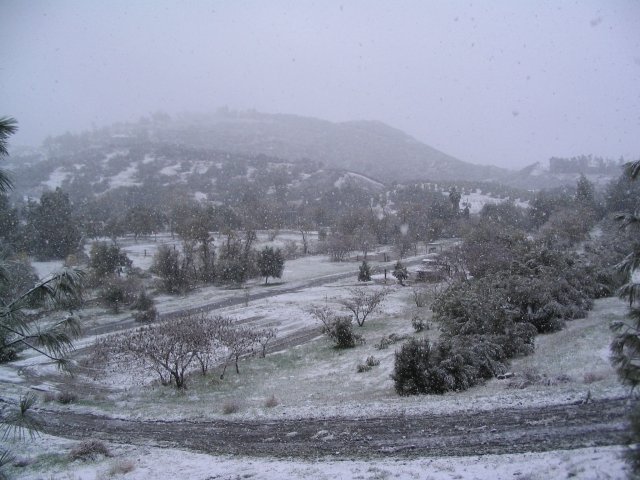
490, 82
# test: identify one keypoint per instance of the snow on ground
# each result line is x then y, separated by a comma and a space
314, 380
171, 170
56, 178
477, 200
126, 178
48, 457
44, 269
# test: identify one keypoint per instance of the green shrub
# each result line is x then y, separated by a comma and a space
364, 273
146, 316
412, 364
66, 397
143, 301
369, 363
340, 330
418, 323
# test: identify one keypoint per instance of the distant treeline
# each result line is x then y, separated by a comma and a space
585, 164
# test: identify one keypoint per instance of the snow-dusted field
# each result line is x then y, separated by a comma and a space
313, 380
146, 463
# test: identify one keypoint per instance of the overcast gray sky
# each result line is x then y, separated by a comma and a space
491, 82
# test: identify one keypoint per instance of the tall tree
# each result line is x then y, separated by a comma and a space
56, 234
270, 263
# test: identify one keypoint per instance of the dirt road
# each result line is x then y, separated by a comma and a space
513, 430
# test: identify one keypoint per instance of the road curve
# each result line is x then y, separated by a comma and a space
512, 430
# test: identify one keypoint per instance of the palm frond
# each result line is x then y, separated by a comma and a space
630, 291
627, 219
5, 181
19, 422
63, 285
8, 126
629, 263
632, 169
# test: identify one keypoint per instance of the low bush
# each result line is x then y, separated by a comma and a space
363, 367
453, 364
66, 397
592, 377
418, 323
369, 363
143, 301
121, 467
230, 406
390, 340
89, 450
271, 402
372, 361
146, 316
420, 297
338, 328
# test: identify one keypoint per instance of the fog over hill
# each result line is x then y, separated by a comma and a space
367, 147
370, 148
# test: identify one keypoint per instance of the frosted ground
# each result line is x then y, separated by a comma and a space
314, 380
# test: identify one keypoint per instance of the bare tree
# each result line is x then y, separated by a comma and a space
363, 302
239, 342
168, 348
339, 246
264, 337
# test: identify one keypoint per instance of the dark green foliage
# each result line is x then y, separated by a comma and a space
118, 292
449, 365
51, 226
143, 301
418, 323
491, 247
413, 363
172, 268
107, 259
338, 328
20, 277
625, 347
237, 260
632, 453
400, 272
341, 332
146, 316
364, 272
270, 263
141, 220
505, 213
520, 288
10, 228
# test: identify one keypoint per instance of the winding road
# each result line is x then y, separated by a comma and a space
508, 430
513, 430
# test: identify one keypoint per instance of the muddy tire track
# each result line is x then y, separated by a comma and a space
512, 430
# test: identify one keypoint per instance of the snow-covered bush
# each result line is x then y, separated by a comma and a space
338, 328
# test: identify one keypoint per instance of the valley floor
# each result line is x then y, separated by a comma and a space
564, 407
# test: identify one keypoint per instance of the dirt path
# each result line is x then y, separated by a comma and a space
513, 430
271, 291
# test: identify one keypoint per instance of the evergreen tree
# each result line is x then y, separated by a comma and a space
400, 272
107, 259
270, 263
55, 233
364, 274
